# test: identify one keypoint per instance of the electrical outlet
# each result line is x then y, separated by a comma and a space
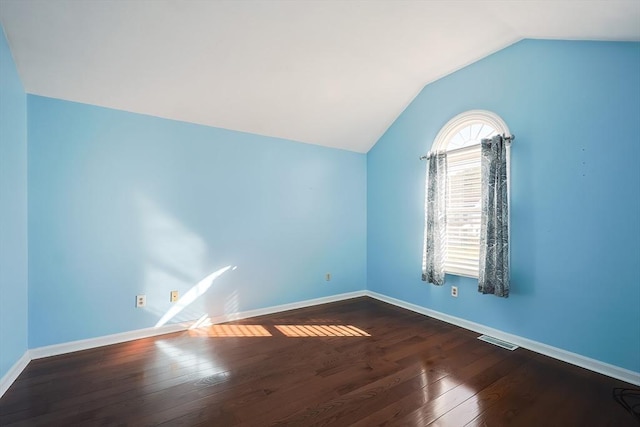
141, 301
174, 296
327, 277
454, 291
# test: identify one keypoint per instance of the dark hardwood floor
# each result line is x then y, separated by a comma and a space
359, 362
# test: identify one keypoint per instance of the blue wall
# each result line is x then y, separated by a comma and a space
575, 110
122, 204
13, 212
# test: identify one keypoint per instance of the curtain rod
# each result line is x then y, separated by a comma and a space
509, 138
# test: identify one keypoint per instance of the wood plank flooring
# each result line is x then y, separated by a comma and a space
358, 362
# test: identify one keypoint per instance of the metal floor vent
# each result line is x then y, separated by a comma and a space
499, 343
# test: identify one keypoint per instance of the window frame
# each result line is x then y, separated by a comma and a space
462, 120
451, 129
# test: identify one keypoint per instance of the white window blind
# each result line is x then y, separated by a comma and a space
463, 211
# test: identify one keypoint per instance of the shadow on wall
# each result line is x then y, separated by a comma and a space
523, 239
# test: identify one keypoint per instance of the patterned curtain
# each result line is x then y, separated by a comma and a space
434, 250
494, 230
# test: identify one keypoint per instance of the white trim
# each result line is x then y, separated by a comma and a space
453, 126
617, 372
629, 376
452, 264
286, 307
13, 373
71, 346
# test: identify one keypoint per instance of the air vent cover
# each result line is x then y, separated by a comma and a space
499, 343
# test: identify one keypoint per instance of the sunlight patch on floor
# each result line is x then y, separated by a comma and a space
231, 331
321, 331
204, 328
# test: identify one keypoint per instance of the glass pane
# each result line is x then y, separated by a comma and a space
470, 135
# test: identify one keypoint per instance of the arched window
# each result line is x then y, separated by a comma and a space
461, 138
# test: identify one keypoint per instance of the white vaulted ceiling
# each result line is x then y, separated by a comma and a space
333, 73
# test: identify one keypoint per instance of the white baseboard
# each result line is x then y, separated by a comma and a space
286, 307
629, 376
69, 347
613, 371
11, 375
72, 346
